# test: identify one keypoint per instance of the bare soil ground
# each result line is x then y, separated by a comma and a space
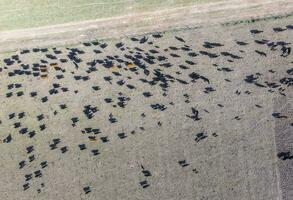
183, 115
191, 103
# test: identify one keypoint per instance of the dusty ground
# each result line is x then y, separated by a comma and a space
193, 114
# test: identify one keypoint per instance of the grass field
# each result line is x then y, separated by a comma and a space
18, 14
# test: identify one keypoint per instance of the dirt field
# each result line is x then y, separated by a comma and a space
189, 102
182, 115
